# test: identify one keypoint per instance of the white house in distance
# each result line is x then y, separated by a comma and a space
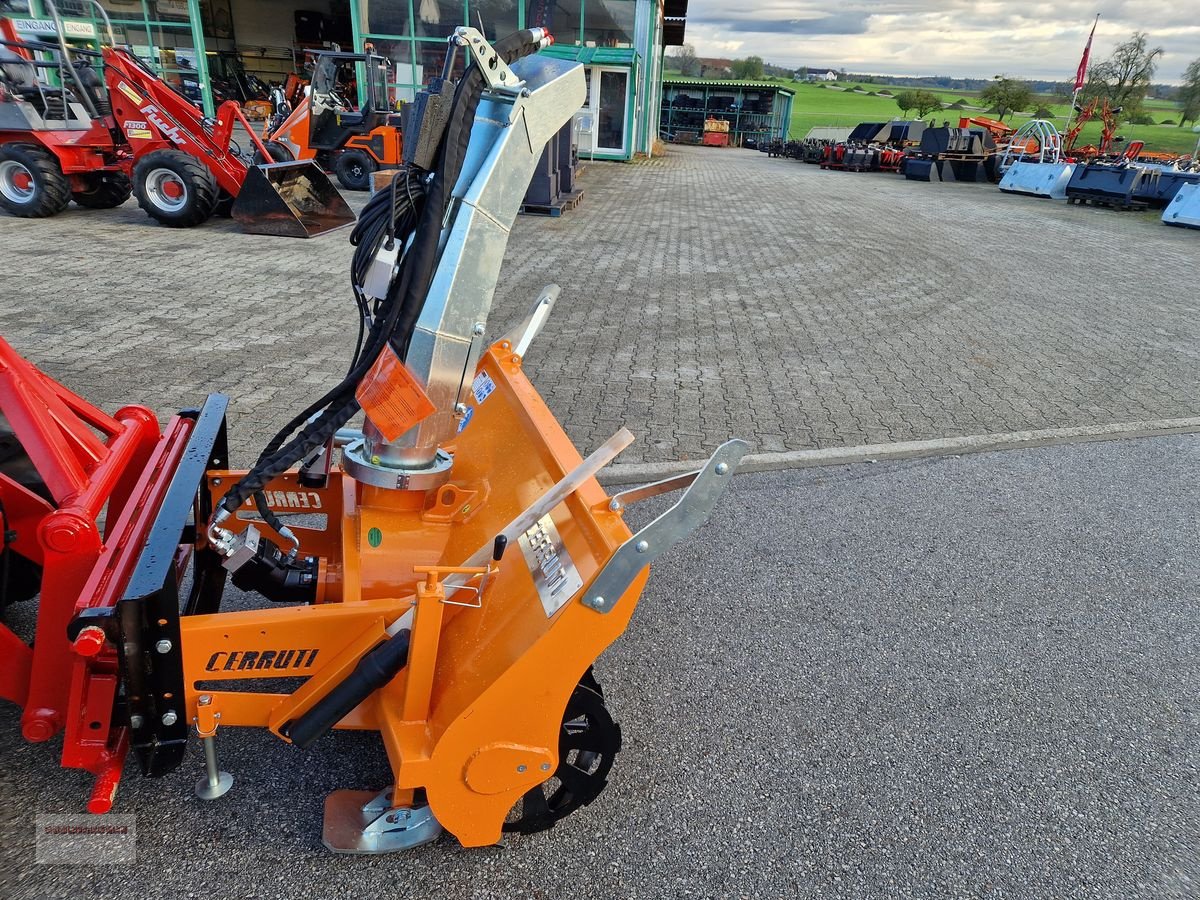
815, 75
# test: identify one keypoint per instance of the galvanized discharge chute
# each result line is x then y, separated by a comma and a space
290, 199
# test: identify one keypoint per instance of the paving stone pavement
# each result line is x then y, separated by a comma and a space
706, 294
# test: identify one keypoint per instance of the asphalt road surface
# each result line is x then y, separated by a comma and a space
956, 677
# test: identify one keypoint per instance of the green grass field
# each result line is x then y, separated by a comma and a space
815, 105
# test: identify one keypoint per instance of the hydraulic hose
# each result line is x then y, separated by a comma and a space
416, 206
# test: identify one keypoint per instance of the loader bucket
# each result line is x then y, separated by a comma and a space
290, 199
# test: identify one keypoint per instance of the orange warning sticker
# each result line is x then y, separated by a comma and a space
392, 397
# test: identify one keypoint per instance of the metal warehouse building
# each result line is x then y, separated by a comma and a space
754, 110
619, 41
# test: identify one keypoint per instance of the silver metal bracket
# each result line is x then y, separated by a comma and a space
531, 326
496, 73
364, 822
693, 508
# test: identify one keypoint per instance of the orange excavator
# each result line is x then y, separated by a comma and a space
326, 127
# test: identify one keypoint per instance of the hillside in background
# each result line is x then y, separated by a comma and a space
848, 102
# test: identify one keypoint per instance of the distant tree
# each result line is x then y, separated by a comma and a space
923, 102
1189, 94
1124, 77
802, 73
685, 61
1007, 95
748, 69
906, 100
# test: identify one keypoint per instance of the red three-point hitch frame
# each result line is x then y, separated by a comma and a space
100, 483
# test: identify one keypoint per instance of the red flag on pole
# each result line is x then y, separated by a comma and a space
1081, 73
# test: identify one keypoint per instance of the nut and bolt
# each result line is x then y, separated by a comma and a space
522, 767
545, 767
615, 505
478, 329
169, 718
136, 722
205, 699
163, 646
641, 546
460, 409
722, 468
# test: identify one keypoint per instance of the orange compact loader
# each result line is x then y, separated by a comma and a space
444, 576
324, 125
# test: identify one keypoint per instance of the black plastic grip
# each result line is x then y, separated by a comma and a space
373, 671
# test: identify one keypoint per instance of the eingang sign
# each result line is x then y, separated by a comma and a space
43, 27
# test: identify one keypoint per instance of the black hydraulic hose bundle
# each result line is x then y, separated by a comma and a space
415, 207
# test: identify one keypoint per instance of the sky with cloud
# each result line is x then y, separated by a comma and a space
969, 38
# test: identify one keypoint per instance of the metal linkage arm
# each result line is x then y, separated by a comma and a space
693, 508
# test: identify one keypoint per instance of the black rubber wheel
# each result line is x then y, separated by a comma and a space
279, 152
353, 169
24, 577
587, 747
32, 185
175, 188
105, 190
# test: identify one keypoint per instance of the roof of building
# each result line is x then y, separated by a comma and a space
592, 55
753, 85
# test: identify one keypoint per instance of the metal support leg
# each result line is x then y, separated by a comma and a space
215, 783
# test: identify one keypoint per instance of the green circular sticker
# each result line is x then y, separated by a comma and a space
374, 537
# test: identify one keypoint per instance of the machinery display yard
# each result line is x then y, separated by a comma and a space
941, 675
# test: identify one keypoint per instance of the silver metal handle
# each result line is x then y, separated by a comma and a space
693, 508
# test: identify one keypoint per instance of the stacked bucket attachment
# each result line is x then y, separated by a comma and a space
290, 199
1047, 180
1124, 184
1033, 162
448, 582
952, 154
1184, 208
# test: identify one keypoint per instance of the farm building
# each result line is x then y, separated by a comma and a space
754, 110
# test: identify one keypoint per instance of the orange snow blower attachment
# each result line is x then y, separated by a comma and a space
445, 577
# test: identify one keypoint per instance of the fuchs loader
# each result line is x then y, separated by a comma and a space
444, 576
98, 139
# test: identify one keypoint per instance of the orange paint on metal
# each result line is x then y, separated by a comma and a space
485, 687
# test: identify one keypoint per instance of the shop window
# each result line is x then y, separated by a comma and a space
608, 23
438, 18
400, 53
431, 59
386, 16
561, 17
499, 17
168, 11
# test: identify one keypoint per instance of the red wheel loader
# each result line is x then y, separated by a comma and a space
96, 139
444, 577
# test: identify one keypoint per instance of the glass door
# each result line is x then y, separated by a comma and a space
603, 120
611, 90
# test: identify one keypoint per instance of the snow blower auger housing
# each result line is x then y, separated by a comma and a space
448, 583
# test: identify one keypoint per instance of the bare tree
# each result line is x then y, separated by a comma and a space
1124, 77
684, 59
1189, 94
